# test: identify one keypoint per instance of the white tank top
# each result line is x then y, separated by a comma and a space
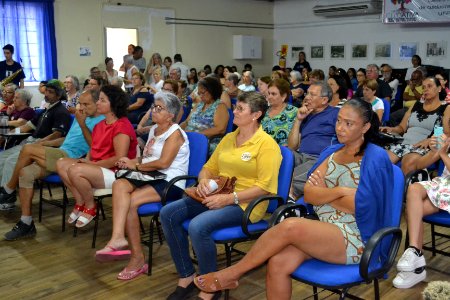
154, 147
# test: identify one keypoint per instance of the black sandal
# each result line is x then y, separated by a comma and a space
183, 293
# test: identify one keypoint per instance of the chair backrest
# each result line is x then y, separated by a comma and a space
186, 110
387, 111
198, 147
397, 199
291, 99
284, 176
230, 121
233, 102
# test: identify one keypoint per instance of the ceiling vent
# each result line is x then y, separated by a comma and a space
337, 8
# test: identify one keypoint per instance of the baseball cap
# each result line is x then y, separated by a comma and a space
55, 84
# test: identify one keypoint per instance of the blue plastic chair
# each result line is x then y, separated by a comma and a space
230, 121
198, 147
335, 277
249, 231
387, 111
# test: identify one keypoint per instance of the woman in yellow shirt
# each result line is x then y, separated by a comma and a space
254, 158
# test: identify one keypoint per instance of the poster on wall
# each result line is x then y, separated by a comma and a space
437, 49
316, 52
383, 50
85, 51
295, 50
359, 51
407, 50
416, 11
337, 51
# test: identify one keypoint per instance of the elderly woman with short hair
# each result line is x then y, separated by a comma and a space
167, 150
20, 111
250, 155
7, 96
231, 85
72, 87
298, 88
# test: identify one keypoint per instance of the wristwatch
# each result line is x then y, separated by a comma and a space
137, 166
236, 199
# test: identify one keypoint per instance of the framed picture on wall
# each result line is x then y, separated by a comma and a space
295, 50
317, 52
437, 49
407, 50
359, 51
337, 51
383, 50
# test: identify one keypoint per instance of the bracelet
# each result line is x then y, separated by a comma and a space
236, 199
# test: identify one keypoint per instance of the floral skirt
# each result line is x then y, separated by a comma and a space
438, 190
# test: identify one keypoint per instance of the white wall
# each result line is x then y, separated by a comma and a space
295, 24
81, 23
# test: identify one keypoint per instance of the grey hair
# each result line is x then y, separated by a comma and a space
25, 96
256, 102
94, 94
325, 89
234, 78
171, 102
370, 66
11, 85
177, 69
75, 81
116, 80
249, 73
296, 75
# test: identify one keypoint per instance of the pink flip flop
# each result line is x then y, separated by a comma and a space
128, 275
113, 255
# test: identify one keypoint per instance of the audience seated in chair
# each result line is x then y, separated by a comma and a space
20, 111
250, 155
313, 131
417, 127
383, 91
167, 150
72, 88
350, 187
422, 199
140, 98
369, 90
112, 139
52, 124
38, 160
280, 116
209, 117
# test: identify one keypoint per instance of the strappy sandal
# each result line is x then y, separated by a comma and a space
75, 214
86, 217
210, 284
131, 274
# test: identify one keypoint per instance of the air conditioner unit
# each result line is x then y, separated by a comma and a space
337, 8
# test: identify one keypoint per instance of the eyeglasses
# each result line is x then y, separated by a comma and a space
157, 108
7, 92
311, 95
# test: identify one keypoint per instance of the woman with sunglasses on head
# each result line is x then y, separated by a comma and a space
166, 150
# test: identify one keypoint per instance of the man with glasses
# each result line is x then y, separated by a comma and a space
383, 91
247, 85
8, 67
313, 131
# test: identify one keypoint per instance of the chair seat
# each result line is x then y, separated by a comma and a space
441, 218
232, 233
102, 192
327, 275
149, 209
53, 178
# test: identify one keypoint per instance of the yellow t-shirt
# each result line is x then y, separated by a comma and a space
255, 163
408, 90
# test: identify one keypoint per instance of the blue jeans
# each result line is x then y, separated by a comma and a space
204, 222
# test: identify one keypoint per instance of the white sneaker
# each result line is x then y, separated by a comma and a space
405, 280
410, 261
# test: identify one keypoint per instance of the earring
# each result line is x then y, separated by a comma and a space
253, 119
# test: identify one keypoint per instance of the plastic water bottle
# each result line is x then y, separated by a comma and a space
212, 185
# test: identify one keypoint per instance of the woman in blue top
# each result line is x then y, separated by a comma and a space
140, 100
210, 116
350, 187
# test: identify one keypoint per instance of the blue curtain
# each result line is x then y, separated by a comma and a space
29, 26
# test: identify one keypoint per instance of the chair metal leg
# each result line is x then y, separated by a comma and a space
433, 240
150, 245
96, 218
49, 190
376, 289
64, 207
316, 294
158, 228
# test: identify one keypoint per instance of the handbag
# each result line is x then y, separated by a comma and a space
225, 185
140, 175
